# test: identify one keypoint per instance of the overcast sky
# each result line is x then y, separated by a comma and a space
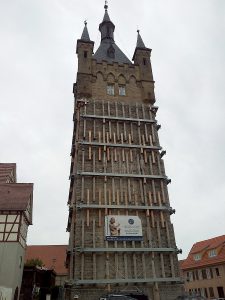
37, 70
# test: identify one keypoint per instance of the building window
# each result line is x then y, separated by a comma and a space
144, 61
212, 253
211, 292
85, 54
110, 89
217, 272
197, 256
196, 274
187, 276
204, 275
220, 292
190, 276
208, 274
211, 272
200, 274
206, 292
122, 90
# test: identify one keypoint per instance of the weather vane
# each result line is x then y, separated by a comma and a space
106, 5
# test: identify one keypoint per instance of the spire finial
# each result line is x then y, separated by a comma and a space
140, 43
85, 34
106, 5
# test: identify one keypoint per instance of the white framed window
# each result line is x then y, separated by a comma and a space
197, 256
110, 89
212, 253
122, 90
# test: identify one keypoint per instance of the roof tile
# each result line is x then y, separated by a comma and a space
15, 196
203, 247
7, 172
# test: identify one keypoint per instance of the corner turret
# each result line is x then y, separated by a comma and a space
141, 58
84, 52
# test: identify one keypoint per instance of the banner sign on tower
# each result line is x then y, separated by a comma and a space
123, 228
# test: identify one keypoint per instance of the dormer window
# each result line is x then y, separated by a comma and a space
212, 253
197, 257
111, 52
110, 89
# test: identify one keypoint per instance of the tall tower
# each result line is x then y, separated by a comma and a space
121, 236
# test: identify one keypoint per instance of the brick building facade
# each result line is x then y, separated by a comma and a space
118, 178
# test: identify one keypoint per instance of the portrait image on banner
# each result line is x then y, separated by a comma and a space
123, 228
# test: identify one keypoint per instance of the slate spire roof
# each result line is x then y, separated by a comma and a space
106, 15
85, 34
108, 50
140, 43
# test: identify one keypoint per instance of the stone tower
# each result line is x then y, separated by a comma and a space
121, 236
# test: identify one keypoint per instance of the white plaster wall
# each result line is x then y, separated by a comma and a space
11, 265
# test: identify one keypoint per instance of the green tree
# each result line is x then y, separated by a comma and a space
33, 262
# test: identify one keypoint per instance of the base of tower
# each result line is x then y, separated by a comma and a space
141, 292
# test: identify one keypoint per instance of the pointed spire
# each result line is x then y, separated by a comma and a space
106, 17
140, 43
108, 50
106, 27
85, 34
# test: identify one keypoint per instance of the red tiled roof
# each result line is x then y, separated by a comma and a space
202, 248
53, 256
15, 196
7, 172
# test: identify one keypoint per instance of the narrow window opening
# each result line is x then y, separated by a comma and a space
144, 61
122, 90
108, 31
110, 89
85, 54
217, 272
211, 292
204, 275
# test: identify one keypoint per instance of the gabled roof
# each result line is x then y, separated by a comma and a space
53, 256
15, 196
203, 248
7, 172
